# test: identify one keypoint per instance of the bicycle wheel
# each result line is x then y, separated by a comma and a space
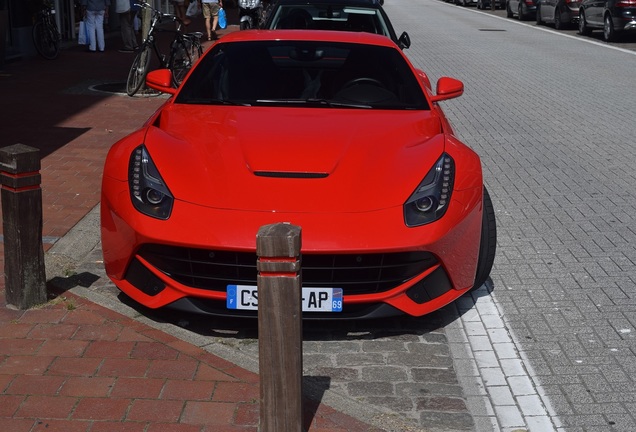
138, 71
198, 49
45, 39
183, 55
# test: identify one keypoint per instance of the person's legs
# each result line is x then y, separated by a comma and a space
90, 29
207, 14
180, 11
122, 27
214, 10
99, 27
127, 31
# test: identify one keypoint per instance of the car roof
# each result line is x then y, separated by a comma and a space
311, 35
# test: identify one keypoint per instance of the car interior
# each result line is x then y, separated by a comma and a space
329, 18
304, 73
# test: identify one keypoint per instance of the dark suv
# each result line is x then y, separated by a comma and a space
613, 16
343, 15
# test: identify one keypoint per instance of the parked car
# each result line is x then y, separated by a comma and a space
485, 4
562, 13
343, 15
334, 132
522, 9
615, 17
464, 3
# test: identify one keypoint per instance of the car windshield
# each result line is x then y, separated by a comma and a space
329, 17
304, 74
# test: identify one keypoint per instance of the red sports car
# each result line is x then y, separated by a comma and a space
335, 132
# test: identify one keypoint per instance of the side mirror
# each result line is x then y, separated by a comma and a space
448, 88
404, 40
160, 79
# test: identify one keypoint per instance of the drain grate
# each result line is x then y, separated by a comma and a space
117, 87
493, 30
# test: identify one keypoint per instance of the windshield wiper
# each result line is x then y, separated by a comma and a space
312, 101
208, 101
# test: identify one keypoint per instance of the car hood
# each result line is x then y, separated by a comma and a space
293, 159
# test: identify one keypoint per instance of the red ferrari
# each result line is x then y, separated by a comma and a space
335, 132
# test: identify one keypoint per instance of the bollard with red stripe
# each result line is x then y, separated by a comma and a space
24, 273
280, 327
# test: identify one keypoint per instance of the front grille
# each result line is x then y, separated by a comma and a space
354, 273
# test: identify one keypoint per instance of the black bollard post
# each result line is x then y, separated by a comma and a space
25, 277
280, 327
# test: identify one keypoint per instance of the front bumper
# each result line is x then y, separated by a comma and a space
446, 254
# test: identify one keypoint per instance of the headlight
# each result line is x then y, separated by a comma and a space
430, 200
148, 192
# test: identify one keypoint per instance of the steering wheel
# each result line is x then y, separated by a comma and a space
363, 80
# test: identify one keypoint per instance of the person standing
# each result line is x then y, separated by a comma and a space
211, 12
124, 9
95, 11
180, 8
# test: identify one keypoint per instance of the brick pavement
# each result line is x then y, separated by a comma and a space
72, 365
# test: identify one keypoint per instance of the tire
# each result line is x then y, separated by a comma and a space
583, 28
509, 13
479, 5
558, 24
520, 12
185, 56
539, 21
609, 34
138, 71
488, 244
244, 25
46, 42
180, 61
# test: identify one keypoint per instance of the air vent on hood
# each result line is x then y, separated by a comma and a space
282, 174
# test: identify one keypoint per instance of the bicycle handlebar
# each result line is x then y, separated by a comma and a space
157, 12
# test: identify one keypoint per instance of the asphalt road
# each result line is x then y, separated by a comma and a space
549, 342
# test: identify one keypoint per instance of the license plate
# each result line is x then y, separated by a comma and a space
314, 299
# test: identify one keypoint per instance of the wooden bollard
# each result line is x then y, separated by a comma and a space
24, 273
280, 328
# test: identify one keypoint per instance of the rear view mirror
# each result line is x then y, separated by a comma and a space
404, 40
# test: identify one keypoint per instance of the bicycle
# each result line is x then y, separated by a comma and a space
46, 37
185, 50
